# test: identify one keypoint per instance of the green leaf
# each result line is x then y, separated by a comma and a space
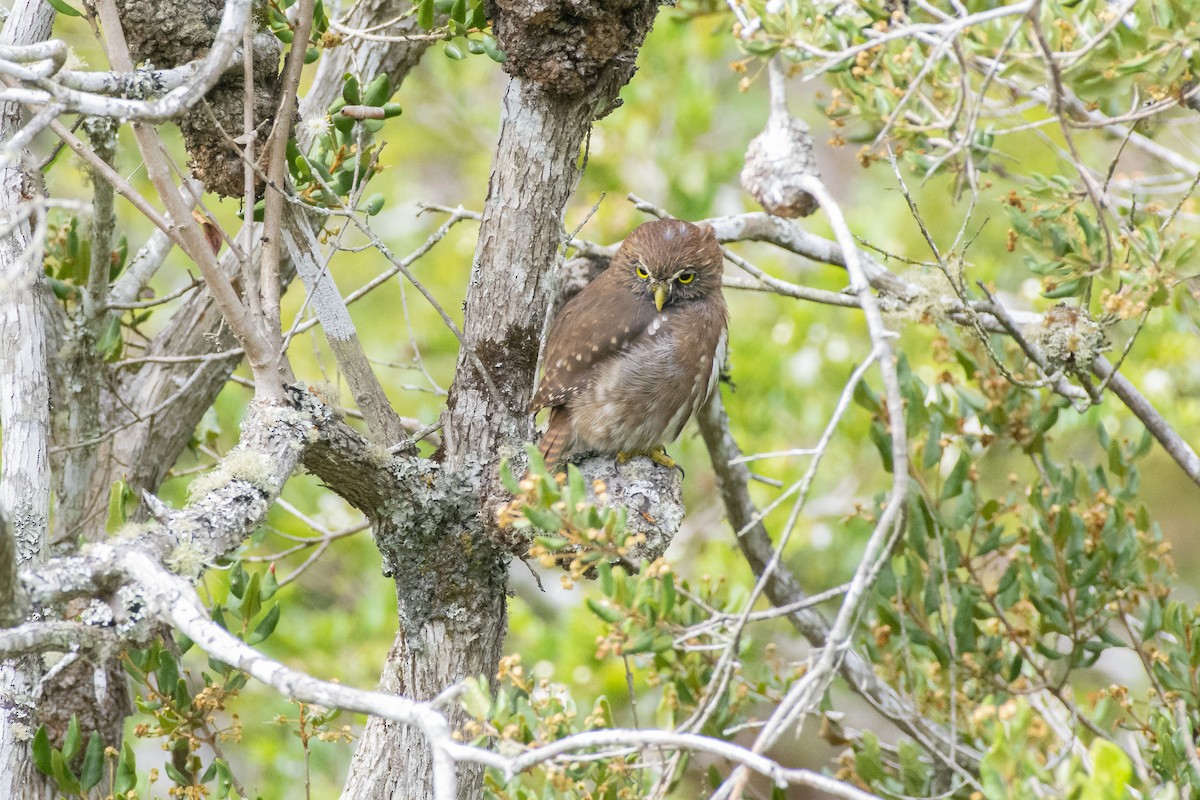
181, 695
493, 49
63, 8
167, 674
642, 644
1065, 289
224, 779
933, 444
41, 751
252, 601
606, 613
373, 204
238, 580
174, 774
478, 16
608, 584
957, 478
72, 740
126, 778
93, 763
543, 518
109, 343
119, 494
67, 782
377, 91
551, 543
265, 627
351, 92
868, 761
453, 51
425, 14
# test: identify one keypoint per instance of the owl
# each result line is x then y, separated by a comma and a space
637, 352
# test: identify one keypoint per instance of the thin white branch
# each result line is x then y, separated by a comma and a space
202, 78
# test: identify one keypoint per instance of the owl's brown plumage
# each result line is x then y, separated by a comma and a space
637, 352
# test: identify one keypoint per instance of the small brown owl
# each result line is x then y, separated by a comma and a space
637, 352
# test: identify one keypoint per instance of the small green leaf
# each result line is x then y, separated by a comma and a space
167, 674
174, 774
642, 644
63, 8
238, 580
252, 600
425, 14
181, 695
41, 751
93, 763
109, 343
118, 496
607, 582
72, 740
270, 583
350, 90
126, 778
374, 204
493, 49
67, 782
543, 518
377, 91
265, 627
453, 51
478, 16
607, 613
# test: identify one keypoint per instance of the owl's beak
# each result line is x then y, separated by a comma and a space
660, 295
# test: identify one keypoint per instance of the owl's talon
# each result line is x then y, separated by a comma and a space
657, 454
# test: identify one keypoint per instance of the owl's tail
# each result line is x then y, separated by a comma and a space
553, 445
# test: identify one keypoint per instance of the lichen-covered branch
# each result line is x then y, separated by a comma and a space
227, 505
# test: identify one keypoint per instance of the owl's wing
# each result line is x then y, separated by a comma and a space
590, 329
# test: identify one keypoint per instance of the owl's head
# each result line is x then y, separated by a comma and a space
670, 261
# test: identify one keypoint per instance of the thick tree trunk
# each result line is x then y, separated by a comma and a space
543, 126
24, 414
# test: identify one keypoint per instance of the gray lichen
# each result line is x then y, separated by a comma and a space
1069, 338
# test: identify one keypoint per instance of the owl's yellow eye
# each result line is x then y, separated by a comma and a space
686, 277
641, 272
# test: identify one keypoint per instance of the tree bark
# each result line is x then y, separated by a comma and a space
24, 414
459, 631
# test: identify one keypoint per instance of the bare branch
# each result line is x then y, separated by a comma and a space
59, 636
339, 328
202, 78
